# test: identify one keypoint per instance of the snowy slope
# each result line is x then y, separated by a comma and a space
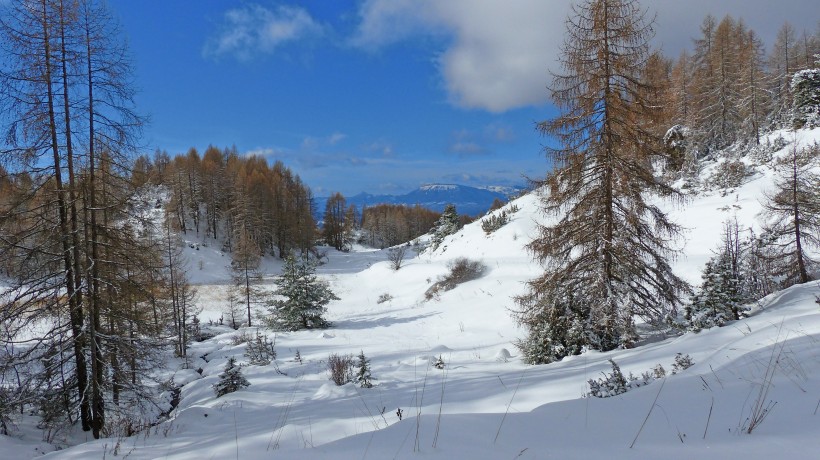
484, 404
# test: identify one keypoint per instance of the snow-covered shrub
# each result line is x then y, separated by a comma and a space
494, 222
556, 331
729, 174
805, 87
658, 371
439, 363
363, 376
260, 351
676, 142
231, 379
240, 338
340, 368
610, 384
461, 271
682, 362
386, 297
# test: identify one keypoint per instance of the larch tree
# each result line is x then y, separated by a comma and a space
336, 229
245, 263
606, 256
66, 92
793, 213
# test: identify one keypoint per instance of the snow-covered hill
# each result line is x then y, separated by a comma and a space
485, 403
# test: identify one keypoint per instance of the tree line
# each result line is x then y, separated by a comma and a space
728, 87
221, 195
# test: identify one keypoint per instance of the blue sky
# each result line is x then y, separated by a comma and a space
376, 95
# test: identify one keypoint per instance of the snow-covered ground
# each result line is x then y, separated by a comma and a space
485, 403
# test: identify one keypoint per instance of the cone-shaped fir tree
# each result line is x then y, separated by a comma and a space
305, 297
231, 379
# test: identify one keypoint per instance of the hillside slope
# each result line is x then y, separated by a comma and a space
486, 403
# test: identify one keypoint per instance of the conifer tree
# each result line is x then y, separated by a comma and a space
447, 224
606, 257
245, 262
793, 213
363, 377
305, 297
231, 379
718, 299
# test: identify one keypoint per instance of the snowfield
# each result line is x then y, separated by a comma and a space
485, 403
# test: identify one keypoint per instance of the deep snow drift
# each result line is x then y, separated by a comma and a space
485, 403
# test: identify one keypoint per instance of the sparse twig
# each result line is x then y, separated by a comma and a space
648, 414
507, 411
440, 406
709, 418
761, 408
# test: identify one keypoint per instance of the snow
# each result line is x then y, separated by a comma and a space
485, 403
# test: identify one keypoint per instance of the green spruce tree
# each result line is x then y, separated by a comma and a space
231, 379
305, 297
446, 225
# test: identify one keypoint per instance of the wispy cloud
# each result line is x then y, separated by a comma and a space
251, 30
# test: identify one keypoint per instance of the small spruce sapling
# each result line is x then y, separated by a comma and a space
363, 375
231, 379
260, 351
439, 364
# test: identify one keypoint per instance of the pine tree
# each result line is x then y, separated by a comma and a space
231, 379
608, 250
305, 297
446, 225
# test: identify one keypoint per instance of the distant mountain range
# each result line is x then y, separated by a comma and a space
468, 200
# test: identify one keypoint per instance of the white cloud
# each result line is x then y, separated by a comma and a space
497, 54
253, 29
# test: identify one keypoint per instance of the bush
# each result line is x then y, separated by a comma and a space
396, 256
340, 368
461, 271
682, 362
610, 384
729, 174
386, 297
439, 364
494, 222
